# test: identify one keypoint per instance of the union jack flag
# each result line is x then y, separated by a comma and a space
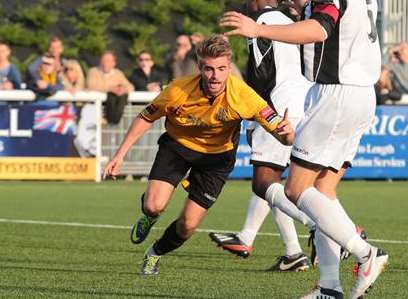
61, 120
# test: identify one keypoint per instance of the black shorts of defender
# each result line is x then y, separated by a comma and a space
208, 172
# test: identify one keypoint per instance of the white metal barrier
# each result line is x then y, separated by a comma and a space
394, 23
141, 157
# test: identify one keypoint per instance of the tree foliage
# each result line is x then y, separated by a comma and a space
96, 26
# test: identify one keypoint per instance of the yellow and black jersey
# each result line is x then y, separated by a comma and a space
208, 125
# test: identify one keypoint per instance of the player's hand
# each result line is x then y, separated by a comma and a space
112, 168
249, 136
285, 130
241, 24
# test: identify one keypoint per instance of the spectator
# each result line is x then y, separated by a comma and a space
55, 49
107, 78
146, 76
181, 63
45, 80
196, 37
10, 76
72, 76
393, 81
399, 68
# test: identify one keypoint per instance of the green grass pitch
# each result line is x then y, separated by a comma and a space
65, 261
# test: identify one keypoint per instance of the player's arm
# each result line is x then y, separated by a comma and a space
303, 32
256, 109
140, 125
274, 124
137, 129
316, 29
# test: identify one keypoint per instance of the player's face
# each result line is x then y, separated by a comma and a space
215, 72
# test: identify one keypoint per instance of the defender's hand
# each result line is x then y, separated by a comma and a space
242, 25
112, 168
285, 130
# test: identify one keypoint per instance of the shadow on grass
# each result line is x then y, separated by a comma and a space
88, 292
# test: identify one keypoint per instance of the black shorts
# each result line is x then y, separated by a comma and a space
208, 172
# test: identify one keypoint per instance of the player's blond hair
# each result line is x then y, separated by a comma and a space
216, 45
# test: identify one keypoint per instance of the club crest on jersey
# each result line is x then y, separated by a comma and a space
221, 114
150, 109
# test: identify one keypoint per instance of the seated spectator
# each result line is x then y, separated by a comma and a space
107, 78
45, 81
72, 76
180, 63
146, 76
393, 82
10, 76
196, 37
399, 68
55, 49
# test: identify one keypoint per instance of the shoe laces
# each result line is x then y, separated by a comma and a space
146, 223
150, 263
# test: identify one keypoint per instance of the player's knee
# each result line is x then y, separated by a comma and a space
259, 189
291, 193
152, 207
263, 178
260, 186
328, 190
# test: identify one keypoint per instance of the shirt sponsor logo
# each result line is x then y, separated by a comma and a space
222, 115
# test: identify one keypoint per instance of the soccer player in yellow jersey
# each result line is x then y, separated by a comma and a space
203, 115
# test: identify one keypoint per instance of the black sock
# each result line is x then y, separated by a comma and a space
169, 241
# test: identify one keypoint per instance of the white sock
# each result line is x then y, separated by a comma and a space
152, 251
258, 209
328, 254
340, 207
361, 249
287, 231
333, 221
275, 196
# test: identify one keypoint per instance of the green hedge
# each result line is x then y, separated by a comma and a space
127, 26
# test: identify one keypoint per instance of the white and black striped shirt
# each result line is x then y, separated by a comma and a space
351, 53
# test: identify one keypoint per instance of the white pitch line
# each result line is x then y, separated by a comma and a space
200, 230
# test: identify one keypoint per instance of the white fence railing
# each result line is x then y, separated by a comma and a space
394, 24
141, 157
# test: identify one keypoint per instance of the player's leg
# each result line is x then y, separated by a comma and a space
336, 127
178, 232
167, 171
207, 178
328, 251
241, 243
154, 200
257, 211
293, 259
